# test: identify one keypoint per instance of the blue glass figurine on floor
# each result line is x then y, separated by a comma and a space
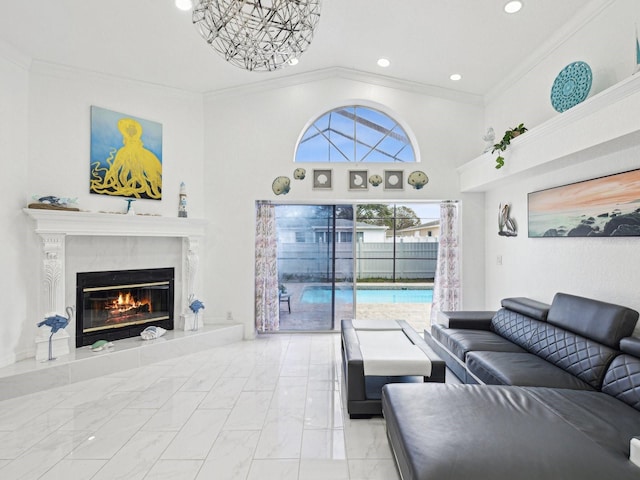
56, 322
195, 305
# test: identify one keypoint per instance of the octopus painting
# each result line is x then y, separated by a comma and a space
130, 170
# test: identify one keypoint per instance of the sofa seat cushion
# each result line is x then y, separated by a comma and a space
458, 432
459, 341
523, 369
604, 419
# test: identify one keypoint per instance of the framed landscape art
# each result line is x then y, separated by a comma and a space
602, 207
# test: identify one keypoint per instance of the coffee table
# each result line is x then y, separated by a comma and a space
364, 391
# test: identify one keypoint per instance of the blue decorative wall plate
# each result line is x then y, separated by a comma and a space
571, 86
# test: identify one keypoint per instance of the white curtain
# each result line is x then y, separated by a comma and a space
267, 301
447, 288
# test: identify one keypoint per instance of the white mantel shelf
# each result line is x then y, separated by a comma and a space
606, 122
111, 224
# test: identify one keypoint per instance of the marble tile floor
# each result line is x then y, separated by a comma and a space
266, 409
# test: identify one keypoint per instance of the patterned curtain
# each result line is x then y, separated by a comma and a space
267, 302
447, 288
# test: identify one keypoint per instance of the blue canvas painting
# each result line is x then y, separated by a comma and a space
126, 155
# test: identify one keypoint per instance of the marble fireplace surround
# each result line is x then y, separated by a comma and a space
54, 226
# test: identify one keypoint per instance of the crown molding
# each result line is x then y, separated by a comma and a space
11, 54
67, 72
347, 74
582, 18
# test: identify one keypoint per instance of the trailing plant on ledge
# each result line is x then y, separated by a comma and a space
506, 141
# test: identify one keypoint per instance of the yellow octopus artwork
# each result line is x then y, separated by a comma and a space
130, 171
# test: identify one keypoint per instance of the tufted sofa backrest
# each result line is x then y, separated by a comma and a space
622, 379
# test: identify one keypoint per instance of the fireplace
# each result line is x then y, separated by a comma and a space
120, 304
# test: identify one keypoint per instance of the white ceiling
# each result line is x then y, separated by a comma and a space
426, 40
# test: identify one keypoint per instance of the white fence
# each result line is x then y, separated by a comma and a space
374, 261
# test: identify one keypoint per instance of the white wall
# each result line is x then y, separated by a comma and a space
604, 268
604, 38
59, 136
13, 154
52, 116
250, 140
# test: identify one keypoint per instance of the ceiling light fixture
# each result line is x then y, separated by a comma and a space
455, 77
383, 62
183, 4
257, 34
513, 7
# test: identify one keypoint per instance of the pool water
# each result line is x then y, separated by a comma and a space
380, 295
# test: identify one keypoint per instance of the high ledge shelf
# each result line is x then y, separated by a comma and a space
606, 122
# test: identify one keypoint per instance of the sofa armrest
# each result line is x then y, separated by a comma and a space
471, 319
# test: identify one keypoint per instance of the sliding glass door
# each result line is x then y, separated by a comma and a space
315, 266
396, 256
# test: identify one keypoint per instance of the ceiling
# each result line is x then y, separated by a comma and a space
425, 40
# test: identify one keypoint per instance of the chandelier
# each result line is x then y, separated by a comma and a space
262, 35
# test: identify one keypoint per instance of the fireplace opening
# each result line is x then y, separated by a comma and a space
120, 304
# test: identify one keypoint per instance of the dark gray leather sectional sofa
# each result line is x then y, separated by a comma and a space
554, 393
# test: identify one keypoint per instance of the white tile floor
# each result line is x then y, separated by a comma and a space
265, 409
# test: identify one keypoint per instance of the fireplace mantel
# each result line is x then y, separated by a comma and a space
112, 224
53, 226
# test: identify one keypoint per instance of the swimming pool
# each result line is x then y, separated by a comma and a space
320, 294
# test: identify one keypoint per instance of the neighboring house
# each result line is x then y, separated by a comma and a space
293, 230
425, 232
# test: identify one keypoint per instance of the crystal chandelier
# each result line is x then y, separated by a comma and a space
257, 34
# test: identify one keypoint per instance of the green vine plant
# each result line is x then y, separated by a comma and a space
506, 141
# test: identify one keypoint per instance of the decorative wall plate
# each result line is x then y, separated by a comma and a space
299, 173
418, 179
281, 185
375, 180
571, 86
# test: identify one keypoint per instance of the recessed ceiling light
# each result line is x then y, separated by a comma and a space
383, 62
293, 61
455, 77
183, 4
513, 7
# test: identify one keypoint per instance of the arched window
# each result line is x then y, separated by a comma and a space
355, 134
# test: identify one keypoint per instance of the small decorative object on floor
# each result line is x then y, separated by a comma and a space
153, 332
195, 306
130, 210
299, 173
182, 206
55, 322
507, 225
101, 345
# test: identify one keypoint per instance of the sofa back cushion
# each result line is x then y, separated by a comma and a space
603, 322
622, 380
514, 326
585, 358
527, 306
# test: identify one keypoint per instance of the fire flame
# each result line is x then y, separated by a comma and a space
126, 302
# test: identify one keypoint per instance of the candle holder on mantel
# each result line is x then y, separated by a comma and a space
130, 210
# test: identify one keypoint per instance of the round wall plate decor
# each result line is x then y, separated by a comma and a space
571, 86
